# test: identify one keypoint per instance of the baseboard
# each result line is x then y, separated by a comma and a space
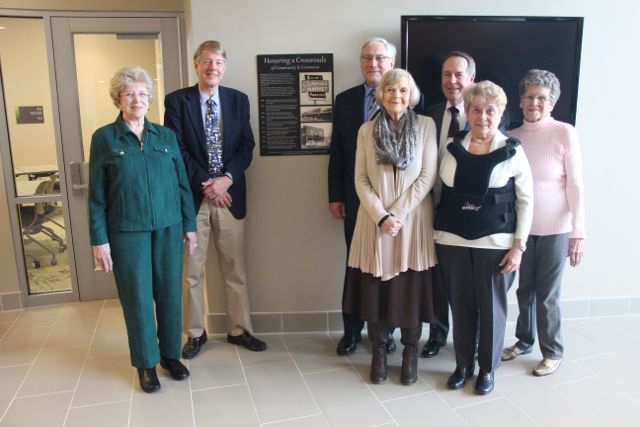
331, 321
11, 301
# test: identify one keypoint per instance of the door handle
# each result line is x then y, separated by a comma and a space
78, 172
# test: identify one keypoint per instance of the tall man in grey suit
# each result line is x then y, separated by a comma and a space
216, 141
352, 108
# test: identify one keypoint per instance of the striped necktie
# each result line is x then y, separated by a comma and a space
373, 105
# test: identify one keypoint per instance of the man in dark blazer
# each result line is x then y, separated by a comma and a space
458, 72
216, 141
352, 108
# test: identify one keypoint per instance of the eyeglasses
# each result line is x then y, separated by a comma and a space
540, 99
370, 58
209, 62
138, 95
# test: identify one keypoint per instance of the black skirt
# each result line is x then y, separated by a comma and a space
403, 301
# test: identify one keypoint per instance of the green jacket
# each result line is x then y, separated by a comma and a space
134, 189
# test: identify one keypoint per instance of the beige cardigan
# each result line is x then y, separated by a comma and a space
406, 196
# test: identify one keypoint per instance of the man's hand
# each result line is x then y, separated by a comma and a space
337, 209
216, 187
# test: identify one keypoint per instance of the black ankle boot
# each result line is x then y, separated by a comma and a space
148, 380
410, 339
378, 336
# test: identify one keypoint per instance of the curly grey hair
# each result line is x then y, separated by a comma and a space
485, 90
542, 78
127, 76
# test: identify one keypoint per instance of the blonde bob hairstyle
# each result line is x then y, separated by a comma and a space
128, 76
486, 91
394, 76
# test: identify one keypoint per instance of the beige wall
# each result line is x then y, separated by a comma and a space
96, 5
296, 250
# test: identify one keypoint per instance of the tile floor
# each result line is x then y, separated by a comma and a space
68, 365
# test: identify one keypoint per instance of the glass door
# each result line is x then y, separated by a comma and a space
31, 162
87, 53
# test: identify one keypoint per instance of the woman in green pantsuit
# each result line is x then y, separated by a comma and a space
140, 214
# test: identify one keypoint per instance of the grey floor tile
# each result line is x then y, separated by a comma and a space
312, 421
10, 316
423, 409
607, 400
54, 370
602, 332
107, 415
314, 352
11, 380
275, 353
169, 407
83, 307
545, 403
111, 333
38, 317
617, 370
21, 346
496, 413
4, 327
346, 400
73, 329
216, 365
392, 389
280, 393
225, 406
105, 378
37, 411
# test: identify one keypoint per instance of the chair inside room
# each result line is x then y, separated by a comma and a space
36, 225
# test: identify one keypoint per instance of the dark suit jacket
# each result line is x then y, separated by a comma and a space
183, 114
436, 112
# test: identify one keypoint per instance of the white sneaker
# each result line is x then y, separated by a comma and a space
514, 351
547, 367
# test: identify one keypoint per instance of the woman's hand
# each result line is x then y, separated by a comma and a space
575, 251
102, 255
511, 261
190, 239
392, 226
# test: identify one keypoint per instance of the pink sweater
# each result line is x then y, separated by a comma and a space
556, 165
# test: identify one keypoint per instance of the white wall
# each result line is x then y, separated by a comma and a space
296, 250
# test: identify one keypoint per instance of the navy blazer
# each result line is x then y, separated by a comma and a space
436, 112
183, 114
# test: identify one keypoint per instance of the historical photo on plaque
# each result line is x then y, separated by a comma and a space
295, 103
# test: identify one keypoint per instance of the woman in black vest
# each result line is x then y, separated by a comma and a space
482, 223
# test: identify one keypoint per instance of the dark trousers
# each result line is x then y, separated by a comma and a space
539, 293
148, 268
478, 293
353, 324
439, 326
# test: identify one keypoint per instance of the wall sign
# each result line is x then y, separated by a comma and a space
26, 115
295, 95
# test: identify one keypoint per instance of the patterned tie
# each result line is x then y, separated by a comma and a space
214, 139
454, 126
373, 105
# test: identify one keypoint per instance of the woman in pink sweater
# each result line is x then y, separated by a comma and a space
557, 230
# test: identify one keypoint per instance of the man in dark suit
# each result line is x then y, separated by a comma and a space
352, 108
216, 141
458, 72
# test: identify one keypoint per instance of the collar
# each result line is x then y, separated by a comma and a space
459, 106
368, 89
122, 129
204, 97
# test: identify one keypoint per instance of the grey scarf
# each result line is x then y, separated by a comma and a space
395, 147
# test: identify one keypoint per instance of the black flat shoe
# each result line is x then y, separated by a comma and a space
177, 370
148, 380
431, 349
193, 345
248, 341
484, 383
459, 377
390, 345
348, 344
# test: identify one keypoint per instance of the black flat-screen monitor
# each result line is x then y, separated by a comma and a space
504, 48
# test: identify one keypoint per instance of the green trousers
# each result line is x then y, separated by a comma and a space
148, 268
